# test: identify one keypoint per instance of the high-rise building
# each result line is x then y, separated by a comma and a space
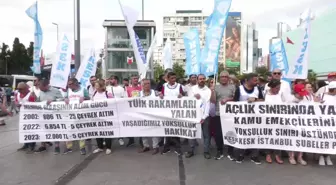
176, 25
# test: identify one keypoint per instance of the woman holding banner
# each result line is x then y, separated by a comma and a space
329, 97
102, 94
300, 95
274, 95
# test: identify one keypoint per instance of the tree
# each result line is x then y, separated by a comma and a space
19, 61
158, 70
5, 52
179, 70
30, 50
312, 77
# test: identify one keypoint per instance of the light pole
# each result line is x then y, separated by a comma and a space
77, 34
143, 9
7, 56
56, 29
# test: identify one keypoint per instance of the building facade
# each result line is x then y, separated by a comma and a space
118, 47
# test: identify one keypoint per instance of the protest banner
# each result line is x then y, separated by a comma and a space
292, 127
112, 118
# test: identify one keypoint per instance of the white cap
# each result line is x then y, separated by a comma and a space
332, 85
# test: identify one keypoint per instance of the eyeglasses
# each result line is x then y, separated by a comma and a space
276, 73
70, 84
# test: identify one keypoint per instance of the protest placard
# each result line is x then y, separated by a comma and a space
112, 118
292, 127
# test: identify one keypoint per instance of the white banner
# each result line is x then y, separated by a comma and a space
112, 118
61, 66
87, 68
292, 127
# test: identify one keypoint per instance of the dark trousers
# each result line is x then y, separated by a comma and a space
217, 125
172, 140
206, 134
29, 145
108, 143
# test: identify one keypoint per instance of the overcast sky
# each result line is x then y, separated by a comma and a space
15, 23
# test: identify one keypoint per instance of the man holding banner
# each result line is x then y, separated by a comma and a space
221, 94
76, 94
202, 92
249, 92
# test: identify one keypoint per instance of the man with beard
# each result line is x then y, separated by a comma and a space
203, 93
91, 88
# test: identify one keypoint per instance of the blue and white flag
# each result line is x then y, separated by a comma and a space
213, 37
299, 68
193, 52
87, 68
278, 58
32, 12
131, 17
61, 66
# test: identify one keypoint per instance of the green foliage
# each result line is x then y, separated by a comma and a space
18, 60
312, 77
158, 70
179, 70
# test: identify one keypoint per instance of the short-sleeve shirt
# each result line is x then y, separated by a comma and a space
223, 92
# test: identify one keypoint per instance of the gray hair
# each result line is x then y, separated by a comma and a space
224, 73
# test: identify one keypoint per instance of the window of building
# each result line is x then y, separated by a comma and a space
118, 60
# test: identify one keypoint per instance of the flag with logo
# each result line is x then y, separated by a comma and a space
61, 67
213, 37
297, 44
278, 58
32, 12
193, 52
131, 17
87, 68
149, 56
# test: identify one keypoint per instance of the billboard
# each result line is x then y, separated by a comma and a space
233, 40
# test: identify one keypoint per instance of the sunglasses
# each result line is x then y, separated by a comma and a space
277, 73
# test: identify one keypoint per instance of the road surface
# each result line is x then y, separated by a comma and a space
126, 167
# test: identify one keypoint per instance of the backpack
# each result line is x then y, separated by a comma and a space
96, 93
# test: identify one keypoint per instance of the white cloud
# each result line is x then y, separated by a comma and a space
15, 23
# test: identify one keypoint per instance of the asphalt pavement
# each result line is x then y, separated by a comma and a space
127, 167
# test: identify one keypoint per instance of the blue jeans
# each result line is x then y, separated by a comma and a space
206, 137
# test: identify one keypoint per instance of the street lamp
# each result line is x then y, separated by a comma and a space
7, 56
56, 28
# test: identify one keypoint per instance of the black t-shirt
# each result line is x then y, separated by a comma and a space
237, 93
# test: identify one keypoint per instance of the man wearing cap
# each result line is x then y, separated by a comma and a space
325, 89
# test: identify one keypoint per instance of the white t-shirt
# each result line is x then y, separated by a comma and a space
329, 99
100, 96
36, 91
275, 98
116, 91
205, 94
322, 90
91, 90
285, 89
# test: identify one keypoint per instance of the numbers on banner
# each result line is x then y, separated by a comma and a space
30, 116
31, 127
52, 126
72, 116
74, 136
48, 116
56, 136
33, 137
